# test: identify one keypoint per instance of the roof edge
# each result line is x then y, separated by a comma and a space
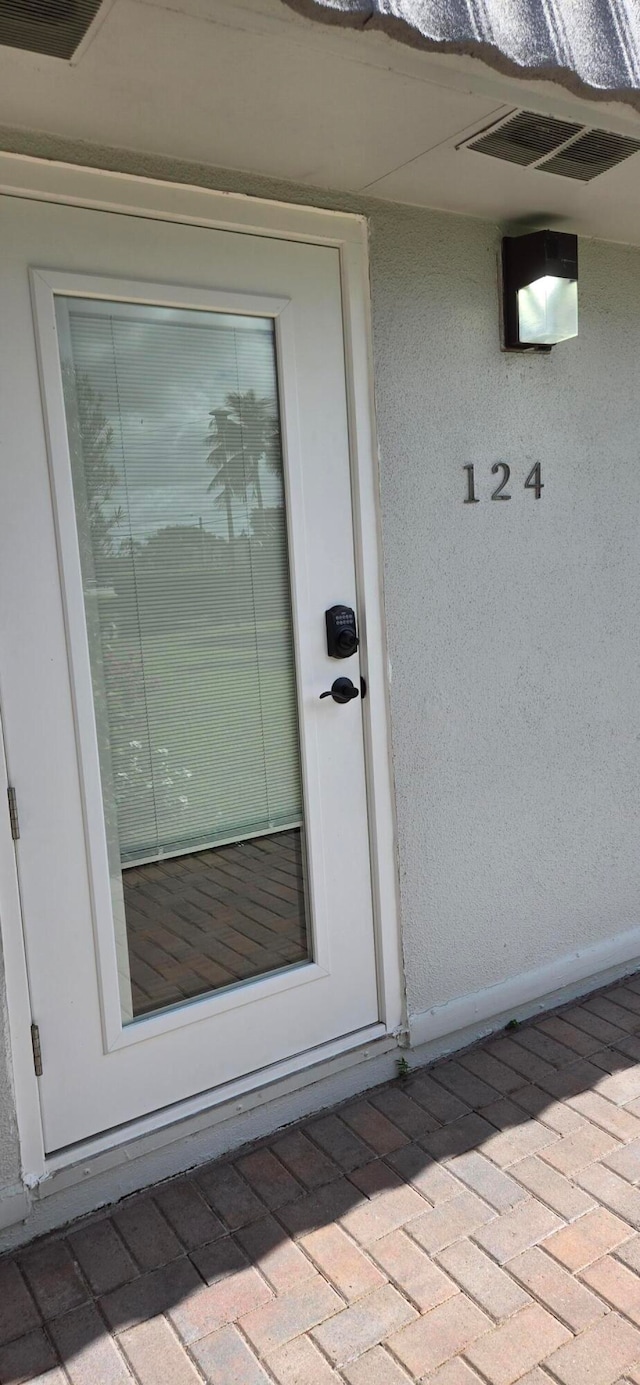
364, 15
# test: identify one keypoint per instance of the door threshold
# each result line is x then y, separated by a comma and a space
219, 1104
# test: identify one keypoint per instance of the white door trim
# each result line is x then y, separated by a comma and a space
55, 182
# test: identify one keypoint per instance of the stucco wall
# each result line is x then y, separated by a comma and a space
512, 627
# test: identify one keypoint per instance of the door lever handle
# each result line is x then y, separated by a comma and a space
342, 690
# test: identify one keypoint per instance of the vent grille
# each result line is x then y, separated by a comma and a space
525, 138
593, 153
53, 27
555, 146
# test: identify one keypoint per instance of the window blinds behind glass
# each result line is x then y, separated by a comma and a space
173, 425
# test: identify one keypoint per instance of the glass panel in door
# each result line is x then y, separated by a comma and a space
174, 436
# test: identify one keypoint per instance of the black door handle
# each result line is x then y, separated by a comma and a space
341, 690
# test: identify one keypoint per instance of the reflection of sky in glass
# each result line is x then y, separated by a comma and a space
158, 373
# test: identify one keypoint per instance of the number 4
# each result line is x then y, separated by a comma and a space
534, 481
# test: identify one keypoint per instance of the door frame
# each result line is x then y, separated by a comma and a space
48, 181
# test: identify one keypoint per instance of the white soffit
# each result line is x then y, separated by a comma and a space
251, 85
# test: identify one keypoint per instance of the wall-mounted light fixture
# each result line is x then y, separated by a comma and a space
539, 290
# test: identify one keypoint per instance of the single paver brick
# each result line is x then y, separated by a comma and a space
574, 1152
629, 1253
455, 1373
376, 1367
621, 1087
307, 1163
150, 1294
625, 1162
413, 1271
342, 1262
146, 1233
530, 1067
599, 1028
326, 1204
26, 1357
88, 1351
507, 1353
496, 1187
364, 1324
188, 1213
545, 1046
225, 1359
406, 1114
53, 1278
102, 1256
560, 1028
17, 1309
229, 1195
516, 1135
383, 1214
491, 1070
275, 1254
469, 1132
557, 1289
483, 1280
435, 1183
273, 1183
444, 1332
339, 1142
300, 1363
375, 1178
233, 1289
450, 1221
613, 1191
156, 1355
552, 1187
614, 1119
516, 1231
599, 1356
617, 1284
443, 1105
374, 1127
588, 1239
290, 1315
562, 1119
471, 1089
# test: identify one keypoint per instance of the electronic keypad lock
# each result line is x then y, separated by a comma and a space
342, 635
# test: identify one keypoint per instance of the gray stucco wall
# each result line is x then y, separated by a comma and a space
512, 627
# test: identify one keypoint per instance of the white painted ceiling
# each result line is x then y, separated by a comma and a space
249, 84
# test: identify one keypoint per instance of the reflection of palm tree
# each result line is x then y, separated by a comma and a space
226, 457
244, 433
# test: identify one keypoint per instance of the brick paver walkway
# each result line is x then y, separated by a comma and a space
476, 1222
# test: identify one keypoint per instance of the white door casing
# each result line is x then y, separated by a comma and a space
97, 1072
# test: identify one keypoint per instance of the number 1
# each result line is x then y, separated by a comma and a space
472, 498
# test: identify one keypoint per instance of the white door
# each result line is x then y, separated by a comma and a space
175, 492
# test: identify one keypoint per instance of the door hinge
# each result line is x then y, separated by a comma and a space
37, 1050
13, 814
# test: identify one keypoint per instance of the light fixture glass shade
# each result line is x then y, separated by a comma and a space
548, 311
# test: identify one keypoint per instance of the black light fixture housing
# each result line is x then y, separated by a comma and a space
539, 290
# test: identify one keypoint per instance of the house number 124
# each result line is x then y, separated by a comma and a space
533, 482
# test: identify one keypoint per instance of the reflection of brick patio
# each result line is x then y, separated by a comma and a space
475, 1224
199, 922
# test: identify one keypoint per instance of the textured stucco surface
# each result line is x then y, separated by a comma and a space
512, 627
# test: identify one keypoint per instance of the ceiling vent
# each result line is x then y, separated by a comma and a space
54, 27
555, 146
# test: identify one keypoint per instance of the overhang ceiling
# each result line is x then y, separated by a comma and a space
591, 46
252, 85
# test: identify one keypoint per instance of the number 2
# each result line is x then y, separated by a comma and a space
534, 481
506, 472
